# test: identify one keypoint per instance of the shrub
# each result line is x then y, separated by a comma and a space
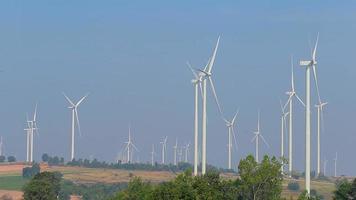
293, 186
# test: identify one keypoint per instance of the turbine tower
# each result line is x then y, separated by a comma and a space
206, 76
256, 138
231, 133
74, 108
291, 95
283, 124
308, 65
175, 152
196, 82
325, 162
1, 146
335, 162
319, 120
153, 155
164, 147
186, 159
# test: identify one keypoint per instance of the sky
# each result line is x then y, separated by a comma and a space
131, 57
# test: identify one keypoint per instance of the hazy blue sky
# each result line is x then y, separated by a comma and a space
131, 55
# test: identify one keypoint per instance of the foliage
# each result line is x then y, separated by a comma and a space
293, 186
45, 185
11, 159
313, 196
45, 157
260, 180
345, 190
29, 172
137, 190
55, 160
2, 158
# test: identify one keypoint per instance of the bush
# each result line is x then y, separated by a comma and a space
11, 159
45, 185
2, 159
29, 172
293, 186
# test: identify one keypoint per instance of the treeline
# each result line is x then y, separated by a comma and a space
8, 159
182, 166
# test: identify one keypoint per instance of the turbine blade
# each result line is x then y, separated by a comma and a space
264, 141
299, 99
81, 100
285, 105
215, 96
253, 139
316, 83
134, 146
233, 119
77, 117
71, 103
292, 66
211, 63
35, 113
193, 71
315, 47
234, 135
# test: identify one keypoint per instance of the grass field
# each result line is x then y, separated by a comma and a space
12, 182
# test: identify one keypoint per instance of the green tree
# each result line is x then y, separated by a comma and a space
45, 157
136, 190
343, 189
2, 158
11, 159
259, 181
304, 196
43, 186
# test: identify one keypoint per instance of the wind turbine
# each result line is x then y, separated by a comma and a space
197, 83
186, 152
74, 108
283, 123
325, 162
257, 136
308, 65
231, 133
1, 146
153, 155
291, 95
164, 147
320, 118
335, 162
129, 147
206, 76
30, 130
175, 152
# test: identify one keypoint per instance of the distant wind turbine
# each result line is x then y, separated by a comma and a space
74, 108
164, 148
319, 107
325, 162
256, 138
130, 146
283, 126
175, 152
30, 130
186, 159
335, 165
231, 133
1, 146
292, 93
153, 155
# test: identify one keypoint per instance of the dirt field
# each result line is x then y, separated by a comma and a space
15, 195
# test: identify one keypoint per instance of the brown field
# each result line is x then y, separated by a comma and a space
11, 168
15, 195
324, 188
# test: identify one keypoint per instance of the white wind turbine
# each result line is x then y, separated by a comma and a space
180, 154
153, 155
1, 146
206, 76
74, 108
325, 162
186, 159
130, 146
256, 138
196, 82
231, 133
335, 165
283, 126
175, 152
319, 107
164, 148
30, 130
308, 65
291, 95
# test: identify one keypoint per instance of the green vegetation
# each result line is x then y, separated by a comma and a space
45, 185
29, 172
12, 182
345, 190
293, 186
